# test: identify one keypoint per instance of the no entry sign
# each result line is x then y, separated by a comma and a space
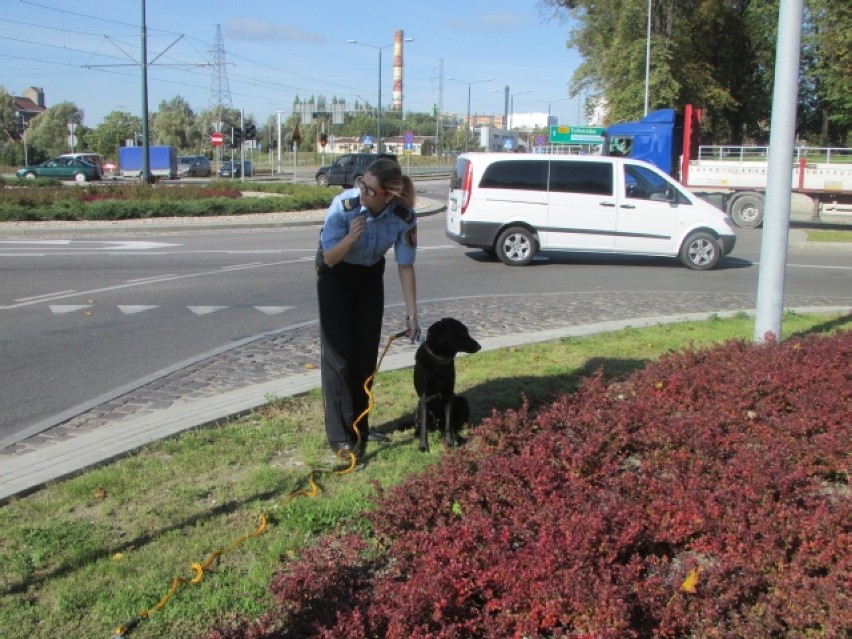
216, 139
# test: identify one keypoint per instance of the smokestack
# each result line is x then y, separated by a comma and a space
397, 70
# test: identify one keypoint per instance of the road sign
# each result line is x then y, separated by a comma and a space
563, 134
216, 139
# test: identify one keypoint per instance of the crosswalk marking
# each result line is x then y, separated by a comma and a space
134, 309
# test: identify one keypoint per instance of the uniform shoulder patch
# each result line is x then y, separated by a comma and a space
411, 236
352, 203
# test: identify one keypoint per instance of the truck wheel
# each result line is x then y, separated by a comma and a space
747, 211
701, 251
322, 180
516, 246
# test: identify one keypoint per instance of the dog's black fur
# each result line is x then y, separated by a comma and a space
435, 380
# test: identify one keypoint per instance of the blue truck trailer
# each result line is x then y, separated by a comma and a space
162, 162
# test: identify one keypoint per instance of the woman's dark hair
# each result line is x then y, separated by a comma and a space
390, 177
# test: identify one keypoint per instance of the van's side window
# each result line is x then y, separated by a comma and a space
594, 178
643, 184
509, 174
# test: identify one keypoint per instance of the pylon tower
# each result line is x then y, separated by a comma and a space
220, 91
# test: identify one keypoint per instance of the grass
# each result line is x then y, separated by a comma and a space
82, 556
830, 236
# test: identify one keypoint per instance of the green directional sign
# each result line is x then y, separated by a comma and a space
564, 134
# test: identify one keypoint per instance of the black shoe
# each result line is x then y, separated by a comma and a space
375, 436
343, 450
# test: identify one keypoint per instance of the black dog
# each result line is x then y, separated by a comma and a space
435, 380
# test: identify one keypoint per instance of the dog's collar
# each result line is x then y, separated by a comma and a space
441, 359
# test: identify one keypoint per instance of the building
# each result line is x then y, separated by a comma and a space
30, 104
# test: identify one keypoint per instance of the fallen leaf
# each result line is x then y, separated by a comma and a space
690, 584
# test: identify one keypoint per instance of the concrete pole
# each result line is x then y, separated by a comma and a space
776, 220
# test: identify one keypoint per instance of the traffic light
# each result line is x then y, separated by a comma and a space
250, 132
236, 137
323, 140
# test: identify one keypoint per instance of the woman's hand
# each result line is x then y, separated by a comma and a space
356, 227
412, 328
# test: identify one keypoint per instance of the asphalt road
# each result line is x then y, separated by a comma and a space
83, 317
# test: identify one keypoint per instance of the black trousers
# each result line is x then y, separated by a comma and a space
351, 305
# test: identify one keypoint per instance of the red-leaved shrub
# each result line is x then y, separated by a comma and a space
705, 496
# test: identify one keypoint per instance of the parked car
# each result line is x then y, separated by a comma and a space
62, 168
513, 206
348, 168
194, 166
87, 156
226, 171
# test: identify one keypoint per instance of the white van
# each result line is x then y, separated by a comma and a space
87, 156
513, 206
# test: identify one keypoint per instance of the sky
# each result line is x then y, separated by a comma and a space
89, 52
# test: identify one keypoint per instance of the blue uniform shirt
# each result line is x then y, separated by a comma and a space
382, 231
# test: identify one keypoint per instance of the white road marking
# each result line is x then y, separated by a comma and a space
205, 310
43, 296
153, 278
273, 310
59, 309
132, 310
109, 245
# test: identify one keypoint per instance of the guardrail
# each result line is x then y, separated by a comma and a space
428, 172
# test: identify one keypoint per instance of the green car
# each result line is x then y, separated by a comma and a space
61, 169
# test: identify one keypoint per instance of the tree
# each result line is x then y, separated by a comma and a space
715, 54
175, 125
827, 72
10, 130
117, 127
47, 135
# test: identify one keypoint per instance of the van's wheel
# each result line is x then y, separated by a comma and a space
322, 180
701, 251
516, 246
747, 211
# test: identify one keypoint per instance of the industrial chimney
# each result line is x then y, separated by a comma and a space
397, 70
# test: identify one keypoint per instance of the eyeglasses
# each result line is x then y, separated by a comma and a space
369, 191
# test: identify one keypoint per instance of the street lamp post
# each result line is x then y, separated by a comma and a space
648, 59
379, 119
548, 103
512, 106
23, 135
467, 122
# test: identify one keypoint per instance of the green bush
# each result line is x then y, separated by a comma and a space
47, 200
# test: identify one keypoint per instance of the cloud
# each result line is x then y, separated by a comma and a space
251, 29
